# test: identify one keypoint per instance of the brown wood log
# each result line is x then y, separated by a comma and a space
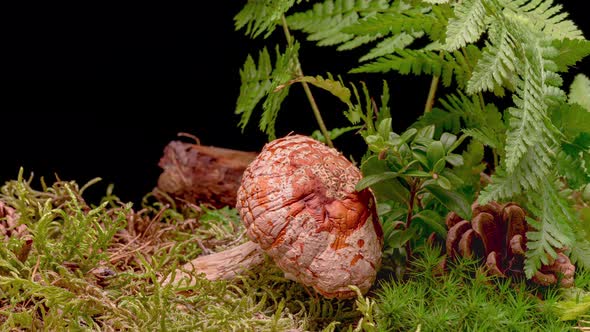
202, 174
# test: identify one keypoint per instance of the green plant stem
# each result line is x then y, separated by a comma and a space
312, 102
431, 94
432, 91
413, 191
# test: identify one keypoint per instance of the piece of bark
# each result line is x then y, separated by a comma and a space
202, 174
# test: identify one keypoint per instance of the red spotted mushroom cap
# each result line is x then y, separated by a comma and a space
299, 203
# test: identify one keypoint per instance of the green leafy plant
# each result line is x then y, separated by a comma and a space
498, 65
411, 180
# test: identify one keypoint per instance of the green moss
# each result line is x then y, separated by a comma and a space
463, 299
99, 268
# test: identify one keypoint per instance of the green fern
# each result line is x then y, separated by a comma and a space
256, 83
468, 24
479, 47
285, 70
461, 113
570, 52
259, 17
336, 88
580, 252
417, 63
543, 16
580, 92
552, 230
325, 22
495, 70
262, 81
401, 19
391, 44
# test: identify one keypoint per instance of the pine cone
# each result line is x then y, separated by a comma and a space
497, 234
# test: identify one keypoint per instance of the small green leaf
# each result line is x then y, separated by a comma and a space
434, 153
372, 179
454, 159
375, 143
439, 166
384, 128
457, 143
406, 136
580, 91
447, 140
451, 200
398, 237
421, 157
427, 132
334, 133
433, 220
329, 84
417, 173
444, 182
391, 189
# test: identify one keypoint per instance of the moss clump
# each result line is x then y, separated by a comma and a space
70, 265
465, 298
100, 267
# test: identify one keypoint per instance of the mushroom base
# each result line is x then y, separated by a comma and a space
221, 265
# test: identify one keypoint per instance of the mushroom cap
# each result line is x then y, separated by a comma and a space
298, 201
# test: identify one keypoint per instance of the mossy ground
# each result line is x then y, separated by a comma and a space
77, 266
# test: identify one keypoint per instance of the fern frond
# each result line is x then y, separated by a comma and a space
571, 166
461, 113
553, 228
285, 70
336, 88
256, 83
571, 119
406, 62
357, 41
570, 52
391, 44
528, 176
468, 24
415, 62
546, 17
409, 19
580, 92
580, 252
530, 126
497, 64
486, 136
453, 114
259, 17
325, 21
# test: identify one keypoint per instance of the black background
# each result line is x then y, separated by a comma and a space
96, 90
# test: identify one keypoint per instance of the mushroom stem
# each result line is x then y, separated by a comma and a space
222, 265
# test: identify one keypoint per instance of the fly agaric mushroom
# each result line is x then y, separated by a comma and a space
298, 202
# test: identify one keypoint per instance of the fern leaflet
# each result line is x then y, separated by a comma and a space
256, 83
326, 21
468, 24
552, 230
497, 64
259, 17
391, 44
285, 70
544, 16
580, 92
